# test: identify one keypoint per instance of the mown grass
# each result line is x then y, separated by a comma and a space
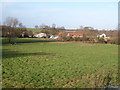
34, 30
25, 40
59, 65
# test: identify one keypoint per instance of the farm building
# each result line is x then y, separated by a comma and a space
73, 35
104, 36
53, 37
59, 35
40, 35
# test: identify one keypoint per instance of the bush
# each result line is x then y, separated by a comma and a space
67, 39
115, 42
77, 39
81, 39
45, 31
85, 39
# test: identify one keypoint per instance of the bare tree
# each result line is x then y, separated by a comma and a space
20, 25
36, 26
15, 22
54, 26
43, 26
10, 31
81, 27
61, 28
11, 21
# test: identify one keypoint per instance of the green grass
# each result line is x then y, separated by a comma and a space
34, 30
60, 65
25, 40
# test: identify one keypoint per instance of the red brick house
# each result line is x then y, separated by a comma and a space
59, 35
73, 35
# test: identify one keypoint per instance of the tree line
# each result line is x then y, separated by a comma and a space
13, 28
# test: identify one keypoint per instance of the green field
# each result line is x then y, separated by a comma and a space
60, 65
34, 30
25, 40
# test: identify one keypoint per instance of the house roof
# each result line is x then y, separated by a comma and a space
81, 34
59, 34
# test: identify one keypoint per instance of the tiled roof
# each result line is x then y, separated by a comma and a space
81, 34
59, 34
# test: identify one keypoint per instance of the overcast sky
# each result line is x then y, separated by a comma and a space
100, 15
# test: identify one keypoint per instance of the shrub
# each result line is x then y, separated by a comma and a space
114, 42
67, 39
85, 39
77, 39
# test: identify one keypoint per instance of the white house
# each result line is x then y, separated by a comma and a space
53, 37
40, 35
104, 36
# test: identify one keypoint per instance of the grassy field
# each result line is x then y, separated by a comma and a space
25, 40
60, 65
34, 30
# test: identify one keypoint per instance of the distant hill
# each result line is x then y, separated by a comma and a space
34, 30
